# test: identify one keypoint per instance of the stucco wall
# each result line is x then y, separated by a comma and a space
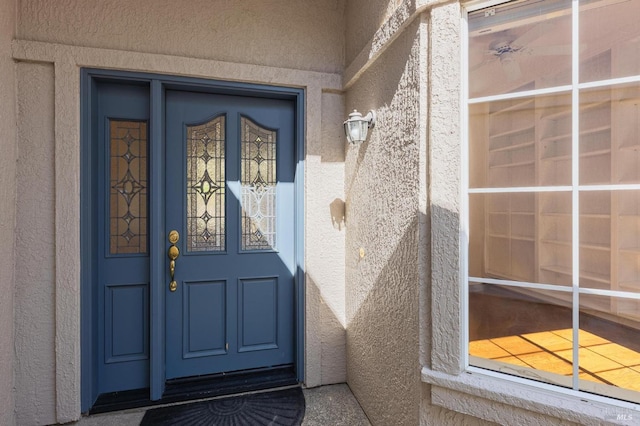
7, 208
365, 20
290, 34
35, 247
382, 224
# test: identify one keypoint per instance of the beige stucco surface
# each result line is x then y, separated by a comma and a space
7, 208
365, 18
289, 34
35, 247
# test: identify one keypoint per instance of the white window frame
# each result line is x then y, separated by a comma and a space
454, 383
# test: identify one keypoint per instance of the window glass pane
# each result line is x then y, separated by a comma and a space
595, 239
609, 39
555, 235
628, 241
258, 180
519, 46
521, 331
554, 132
520, 142
609, 129
502, 236
206, 186
521, 237
128, 187
625, 133
595, 137
609, 346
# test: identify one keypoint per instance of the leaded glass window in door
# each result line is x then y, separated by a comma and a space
258, 183
127, 187
206, 186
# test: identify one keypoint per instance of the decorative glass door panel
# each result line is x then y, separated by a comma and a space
258, 179
128, 182
205, 186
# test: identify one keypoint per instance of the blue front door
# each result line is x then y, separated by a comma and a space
209, 179
230, 204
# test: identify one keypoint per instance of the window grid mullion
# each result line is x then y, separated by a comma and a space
575, 195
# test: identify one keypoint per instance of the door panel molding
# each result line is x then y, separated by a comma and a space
267, 326
193, 295
121, 313
157, 87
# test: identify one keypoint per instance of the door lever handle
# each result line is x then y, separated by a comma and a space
173, 255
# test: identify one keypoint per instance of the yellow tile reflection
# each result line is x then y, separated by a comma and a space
591, 361
549, 340
513, 360
487, 349
601, 361
618, 353
624, 377
548, 361
584, 337
516, 345
591, 377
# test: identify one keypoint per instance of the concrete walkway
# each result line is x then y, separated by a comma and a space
325, 406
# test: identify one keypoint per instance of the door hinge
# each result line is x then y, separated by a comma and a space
226, 346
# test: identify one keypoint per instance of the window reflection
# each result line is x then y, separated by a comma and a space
518, 43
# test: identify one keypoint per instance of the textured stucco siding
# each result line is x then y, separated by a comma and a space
382, 224
365, 20
35, 247
7, 208
444, 185
291, 34
324, 238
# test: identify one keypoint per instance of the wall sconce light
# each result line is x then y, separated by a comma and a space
356, 126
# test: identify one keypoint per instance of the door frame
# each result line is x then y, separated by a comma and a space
158, 84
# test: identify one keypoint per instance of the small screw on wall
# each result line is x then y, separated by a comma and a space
361, 253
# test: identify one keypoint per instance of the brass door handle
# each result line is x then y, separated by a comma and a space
173, 255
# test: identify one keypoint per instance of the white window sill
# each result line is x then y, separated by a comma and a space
482, 394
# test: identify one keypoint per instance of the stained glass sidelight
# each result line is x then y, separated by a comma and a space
128, 187
205, 186
258, 180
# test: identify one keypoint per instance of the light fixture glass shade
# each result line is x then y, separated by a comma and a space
356, 127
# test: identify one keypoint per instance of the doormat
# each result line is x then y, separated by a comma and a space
282, 408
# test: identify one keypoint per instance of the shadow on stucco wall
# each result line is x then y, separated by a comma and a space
336, 209
383, 339
325, 354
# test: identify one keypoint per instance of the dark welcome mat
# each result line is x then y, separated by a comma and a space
281, 408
